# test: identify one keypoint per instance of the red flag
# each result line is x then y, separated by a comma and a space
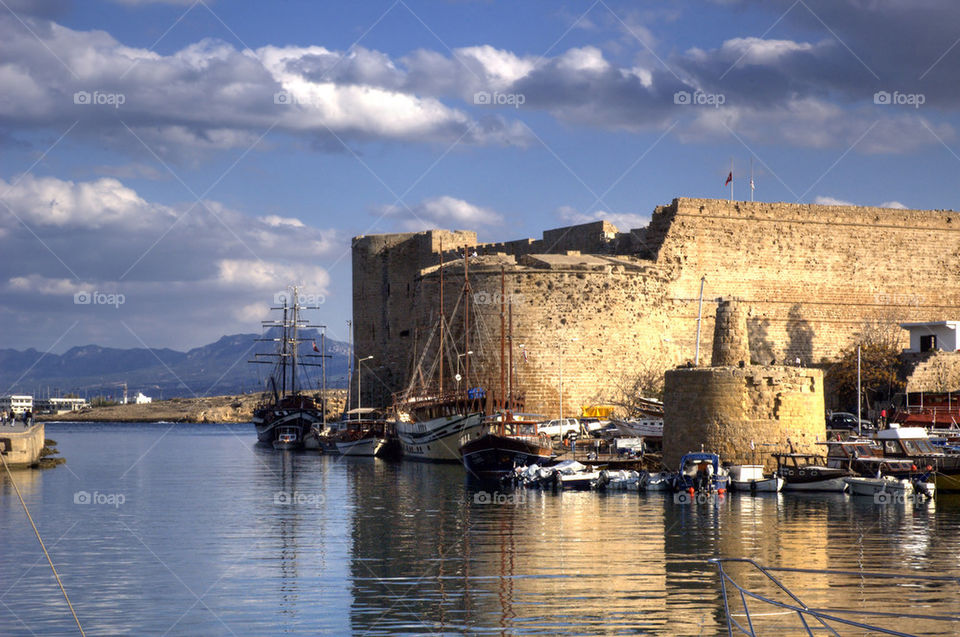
729, 178
315, 347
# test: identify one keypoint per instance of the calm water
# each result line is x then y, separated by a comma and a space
193, 530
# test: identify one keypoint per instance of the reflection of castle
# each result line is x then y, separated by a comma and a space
811, 275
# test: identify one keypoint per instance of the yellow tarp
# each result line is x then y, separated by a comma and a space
596, 411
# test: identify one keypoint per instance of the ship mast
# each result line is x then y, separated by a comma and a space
466, 315
283, 352
442, 317
502, 336
294, 342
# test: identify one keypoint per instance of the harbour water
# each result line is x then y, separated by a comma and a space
194, 530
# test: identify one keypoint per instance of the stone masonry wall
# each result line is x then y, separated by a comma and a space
810, 275
725, 409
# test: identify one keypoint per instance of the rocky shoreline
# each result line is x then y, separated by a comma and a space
206, 409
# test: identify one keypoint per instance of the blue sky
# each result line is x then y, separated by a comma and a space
192, 158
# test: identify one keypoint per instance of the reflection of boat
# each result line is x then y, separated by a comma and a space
285, 417
808, 472
749, 478
508, 441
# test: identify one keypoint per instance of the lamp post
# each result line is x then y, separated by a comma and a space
459, 356
560, 349
359, 373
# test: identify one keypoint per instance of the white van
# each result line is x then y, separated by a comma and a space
560, 428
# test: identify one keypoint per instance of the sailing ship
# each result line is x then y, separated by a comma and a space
284, 417
432, 419
508, 441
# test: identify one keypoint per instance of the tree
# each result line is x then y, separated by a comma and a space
879, 367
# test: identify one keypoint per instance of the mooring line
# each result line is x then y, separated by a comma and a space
39, 539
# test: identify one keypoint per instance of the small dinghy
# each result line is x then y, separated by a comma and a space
749, 478
860, 486
657, 481
625, 480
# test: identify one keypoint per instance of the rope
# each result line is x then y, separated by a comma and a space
39, 539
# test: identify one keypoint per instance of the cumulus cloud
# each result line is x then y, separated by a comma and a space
440, 212
187, 272
893, 204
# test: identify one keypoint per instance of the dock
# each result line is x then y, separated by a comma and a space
21, 445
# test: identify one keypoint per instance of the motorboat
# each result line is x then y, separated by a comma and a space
701, 472
809, 472
749, 478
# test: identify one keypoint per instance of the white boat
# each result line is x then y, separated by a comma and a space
439, 439
578, 480
624, 480
659, 481
749, 478
883, 485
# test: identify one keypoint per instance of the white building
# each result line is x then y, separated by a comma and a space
60, 405
140, 399
931, 336
17, 403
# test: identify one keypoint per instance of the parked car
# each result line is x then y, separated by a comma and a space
846, 420
560, 428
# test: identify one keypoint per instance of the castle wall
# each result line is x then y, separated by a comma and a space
807, 275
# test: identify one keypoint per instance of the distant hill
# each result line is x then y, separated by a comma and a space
215, 369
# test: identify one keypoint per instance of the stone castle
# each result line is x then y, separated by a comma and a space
604, 305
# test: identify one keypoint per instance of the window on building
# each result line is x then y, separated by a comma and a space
928, 342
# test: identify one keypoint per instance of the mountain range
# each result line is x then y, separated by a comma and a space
215, 369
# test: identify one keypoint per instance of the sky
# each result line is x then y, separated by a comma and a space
169, 167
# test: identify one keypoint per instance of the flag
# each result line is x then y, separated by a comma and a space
524, 356
315, 348
729, 178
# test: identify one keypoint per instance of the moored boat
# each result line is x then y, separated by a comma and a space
507, 441
701, 472
749, 478
809, 472
888, 485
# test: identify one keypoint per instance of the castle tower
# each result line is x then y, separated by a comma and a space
740, 411
731, 343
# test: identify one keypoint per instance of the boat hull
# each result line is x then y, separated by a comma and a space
364, 447
271, 422
439, 439
873, 486
767, 485
947, 482
492, 456
835, 485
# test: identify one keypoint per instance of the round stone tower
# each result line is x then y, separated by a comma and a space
740, 411
731, 343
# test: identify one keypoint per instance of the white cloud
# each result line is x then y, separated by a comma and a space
185, 271
893, 204
623, 220
441, 212
832, 201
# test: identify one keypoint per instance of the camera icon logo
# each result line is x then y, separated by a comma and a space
81, 497
481, 97
282, 97
481, 298
881, 97
82, 298
281, 298
282, 498
681, 97
81, 97
482, 497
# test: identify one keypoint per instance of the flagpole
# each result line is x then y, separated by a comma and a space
731, 179
751, 178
